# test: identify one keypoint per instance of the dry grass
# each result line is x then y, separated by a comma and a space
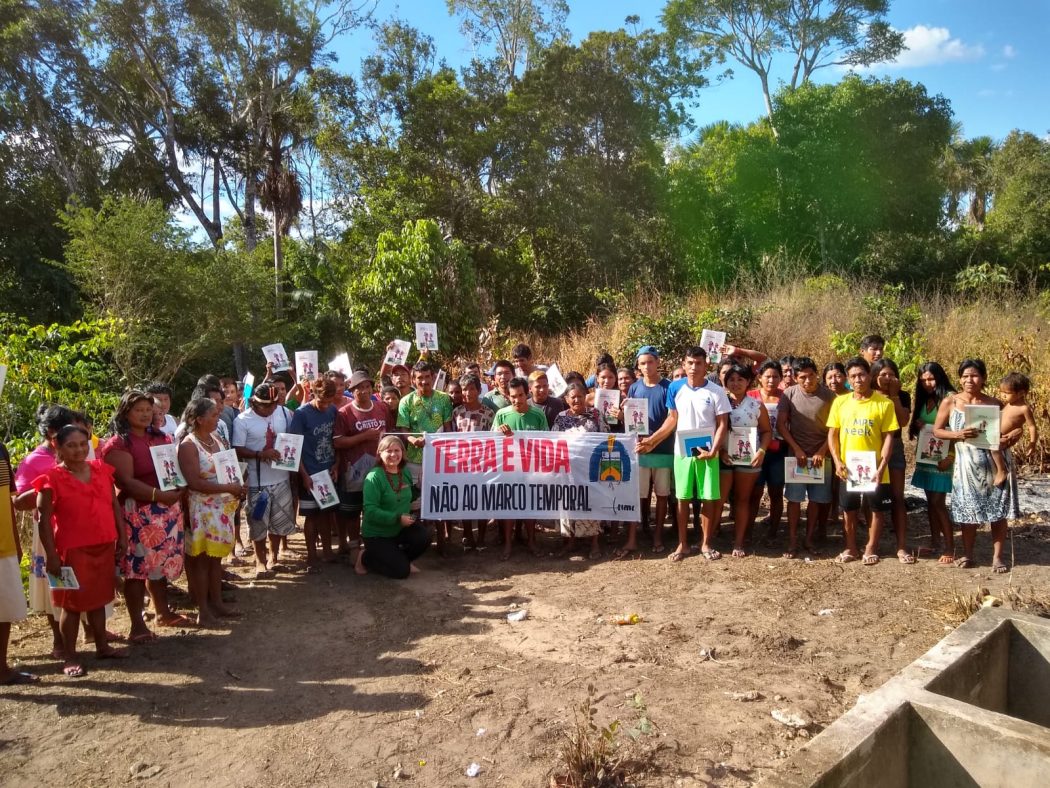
963, 604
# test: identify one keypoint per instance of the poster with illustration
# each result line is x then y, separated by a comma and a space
862, 466
341, 363
636, 415
397, 352
607, 402
441, 381
306, 365
713, 342
689, 443
930, 449
324, 490
166, 464
809, 473
65, 581
427, 336
227, 467
277, 356
743, 443
984, 419
556, 381
290, 447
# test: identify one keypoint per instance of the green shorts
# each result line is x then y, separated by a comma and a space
696, 479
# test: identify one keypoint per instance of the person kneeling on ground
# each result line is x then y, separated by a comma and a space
392, 535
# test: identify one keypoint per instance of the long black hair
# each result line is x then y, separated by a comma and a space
51, 418
923, 399
118, 425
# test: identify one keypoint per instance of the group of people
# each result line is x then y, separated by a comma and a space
100, 509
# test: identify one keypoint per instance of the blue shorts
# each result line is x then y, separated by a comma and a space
817, 493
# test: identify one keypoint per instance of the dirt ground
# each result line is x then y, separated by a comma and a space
334, 679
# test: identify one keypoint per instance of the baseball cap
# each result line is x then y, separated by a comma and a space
358, 378
395, 368
647, 350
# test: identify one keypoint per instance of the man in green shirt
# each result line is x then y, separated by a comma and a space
498, 398
519, 414
422, 411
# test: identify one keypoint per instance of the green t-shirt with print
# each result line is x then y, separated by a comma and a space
423, 414
532, 419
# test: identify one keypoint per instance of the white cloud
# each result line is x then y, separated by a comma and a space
934, 46
1009, 52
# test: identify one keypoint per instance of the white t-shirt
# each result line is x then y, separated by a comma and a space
170, 425
699, 408
255, 433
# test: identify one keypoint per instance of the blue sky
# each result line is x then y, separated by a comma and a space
986, 58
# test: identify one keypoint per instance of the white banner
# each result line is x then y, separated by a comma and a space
531, 475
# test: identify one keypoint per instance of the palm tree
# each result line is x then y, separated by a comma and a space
968, 176
281, 194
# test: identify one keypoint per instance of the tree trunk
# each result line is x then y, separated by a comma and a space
251, 230
278, 264
769, 104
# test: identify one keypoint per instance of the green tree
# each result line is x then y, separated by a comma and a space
176, 300
1020, 214
968, 176
811, 34
416, 275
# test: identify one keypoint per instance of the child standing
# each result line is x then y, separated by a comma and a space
1016, 416
76, 497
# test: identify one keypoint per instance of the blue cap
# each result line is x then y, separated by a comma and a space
647, 350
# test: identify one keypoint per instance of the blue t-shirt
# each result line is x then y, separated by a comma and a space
657, 399
317, 428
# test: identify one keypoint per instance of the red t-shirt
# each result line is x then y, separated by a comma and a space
351, 421
83, 511
137, 446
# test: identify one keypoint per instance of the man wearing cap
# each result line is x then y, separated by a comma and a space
271, 506
655, 466
422, 411
360, 424
502, 372
401, 379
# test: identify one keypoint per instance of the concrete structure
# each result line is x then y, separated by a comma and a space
973, 711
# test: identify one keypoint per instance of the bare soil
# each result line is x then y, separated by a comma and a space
334, 679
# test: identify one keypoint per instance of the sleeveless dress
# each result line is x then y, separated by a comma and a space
927, 477
210, 522
975, 499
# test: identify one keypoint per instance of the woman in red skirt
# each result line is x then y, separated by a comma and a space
77, 498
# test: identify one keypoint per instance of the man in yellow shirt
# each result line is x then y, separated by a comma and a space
862, 420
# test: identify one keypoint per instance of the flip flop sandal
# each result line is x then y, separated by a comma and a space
74, 671
790, 555
738, 553
138, 640
845, 557
676, 556
870, 560
1000, 568
965, 563
621, 554
945, 560
176, 622
905, 557
711, 555
20, 677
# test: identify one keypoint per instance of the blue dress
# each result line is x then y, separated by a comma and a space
975, 499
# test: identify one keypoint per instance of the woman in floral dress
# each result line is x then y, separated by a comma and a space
579, 417
152, 517
975, 497
211, 507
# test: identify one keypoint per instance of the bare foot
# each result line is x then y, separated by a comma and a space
413, 569
1000, 478
359, 564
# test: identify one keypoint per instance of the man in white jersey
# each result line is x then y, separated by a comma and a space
698, 417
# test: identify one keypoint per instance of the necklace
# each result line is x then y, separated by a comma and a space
390, 480
210, 445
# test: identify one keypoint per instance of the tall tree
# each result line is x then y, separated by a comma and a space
1020, 213
969, 178
518, 30
814, 34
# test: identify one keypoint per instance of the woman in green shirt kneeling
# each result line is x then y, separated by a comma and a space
392, 535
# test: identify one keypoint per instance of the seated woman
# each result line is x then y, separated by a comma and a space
76, 498
392, 535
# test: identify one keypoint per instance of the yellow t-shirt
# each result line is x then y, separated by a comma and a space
7, 532
862, 423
